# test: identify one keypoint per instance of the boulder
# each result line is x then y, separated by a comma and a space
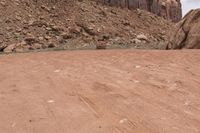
142, 37
30, 40
168, 9
187, 32
2, 46
9, 48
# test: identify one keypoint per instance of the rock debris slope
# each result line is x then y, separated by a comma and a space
32, 25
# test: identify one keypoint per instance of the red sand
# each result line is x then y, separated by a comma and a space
111, 91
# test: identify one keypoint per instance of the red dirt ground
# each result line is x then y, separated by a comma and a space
111, 91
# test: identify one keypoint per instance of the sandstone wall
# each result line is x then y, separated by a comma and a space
169, 9
186, 35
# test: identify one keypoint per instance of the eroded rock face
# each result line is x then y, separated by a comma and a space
187, 32
169, 9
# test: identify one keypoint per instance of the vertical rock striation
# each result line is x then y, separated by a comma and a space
168, 9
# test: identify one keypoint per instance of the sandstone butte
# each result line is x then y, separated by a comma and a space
168, 9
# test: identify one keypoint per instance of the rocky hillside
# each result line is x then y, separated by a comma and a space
169, 9
31, 25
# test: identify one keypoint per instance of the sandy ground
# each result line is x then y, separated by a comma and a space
112, 91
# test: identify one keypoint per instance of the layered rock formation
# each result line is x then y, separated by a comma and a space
169, 9
187, 32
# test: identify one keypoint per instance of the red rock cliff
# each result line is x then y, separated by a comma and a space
169, 9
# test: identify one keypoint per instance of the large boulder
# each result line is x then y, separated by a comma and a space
187, 32
169, 9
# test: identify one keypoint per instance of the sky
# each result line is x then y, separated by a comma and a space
190, 4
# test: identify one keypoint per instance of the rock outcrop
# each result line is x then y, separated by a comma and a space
187, 32
169, 9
